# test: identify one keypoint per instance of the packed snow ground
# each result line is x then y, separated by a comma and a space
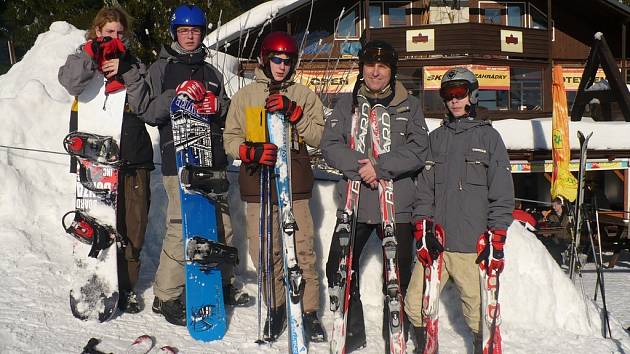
543, 312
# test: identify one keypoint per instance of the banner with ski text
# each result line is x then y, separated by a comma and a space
563, 183
573, 76
328, 81
489, 77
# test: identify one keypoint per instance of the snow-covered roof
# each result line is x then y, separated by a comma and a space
264, 13
535, 134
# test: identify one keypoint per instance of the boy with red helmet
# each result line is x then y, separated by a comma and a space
245, 138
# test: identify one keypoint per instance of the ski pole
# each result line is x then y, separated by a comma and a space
600, 279
261, 233
268, 267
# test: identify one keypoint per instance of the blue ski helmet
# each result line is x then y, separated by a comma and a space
187, 15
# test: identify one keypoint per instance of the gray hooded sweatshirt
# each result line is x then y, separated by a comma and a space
467, 184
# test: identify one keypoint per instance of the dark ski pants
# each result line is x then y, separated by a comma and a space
134, 198
404, 252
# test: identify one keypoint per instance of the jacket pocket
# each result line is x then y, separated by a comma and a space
477, 162
399, 130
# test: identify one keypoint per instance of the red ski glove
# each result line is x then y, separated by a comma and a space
209, 104
490, 250
428, 248
193, 89
291, 110
260, 153
104, 48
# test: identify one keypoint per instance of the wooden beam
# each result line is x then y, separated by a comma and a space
620, 175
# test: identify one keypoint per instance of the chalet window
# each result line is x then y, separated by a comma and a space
390, 13
348, 26
515, 15
376, 15
537, 19
396, 14
493, 100
502, 13
526, 89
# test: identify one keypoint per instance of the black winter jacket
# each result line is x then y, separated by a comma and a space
170, 70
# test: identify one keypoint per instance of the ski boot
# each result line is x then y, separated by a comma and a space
174, 311
235, 297
313, 328
129, 302
278, 324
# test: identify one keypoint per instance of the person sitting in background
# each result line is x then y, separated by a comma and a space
556, 218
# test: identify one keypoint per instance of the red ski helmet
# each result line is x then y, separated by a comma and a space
278, 42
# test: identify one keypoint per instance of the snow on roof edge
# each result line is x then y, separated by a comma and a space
251, 19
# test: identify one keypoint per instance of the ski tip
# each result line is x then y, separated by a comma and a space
141, 345
168, 350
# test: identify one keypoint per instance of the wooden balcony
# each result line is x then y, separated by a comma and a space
466, 39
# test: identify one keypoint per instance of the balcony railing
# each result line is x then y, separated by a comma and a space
473, 39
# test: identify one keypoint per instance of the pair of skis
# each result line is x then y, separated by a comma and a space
580, 220
489, 282
279, 130
378, 121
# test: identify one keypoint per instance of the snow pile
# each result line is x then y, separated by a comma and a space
35, 257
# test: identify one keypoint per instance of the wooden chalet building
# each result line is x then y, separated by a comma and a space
510, 45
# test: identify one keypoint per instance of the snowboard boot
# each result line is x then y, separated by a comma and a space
313, 328
129, 302
477, 343
235, 297
174, 311
278, 324
420, 338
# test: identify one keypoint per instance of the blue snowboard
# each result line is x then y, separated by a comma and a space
205, 312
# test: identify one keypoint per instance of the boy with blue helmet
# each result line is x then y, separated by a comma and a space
181, 68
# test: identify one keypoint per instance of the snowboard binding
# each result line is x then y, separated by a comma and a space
97, 148
87, 230
209, 254
209, 181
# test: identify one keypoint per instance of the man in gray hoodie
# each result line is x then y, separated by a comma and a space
376, 85
467, 188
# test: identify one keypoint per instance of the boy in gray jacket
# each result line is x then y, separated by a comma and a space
467, 188
376, 84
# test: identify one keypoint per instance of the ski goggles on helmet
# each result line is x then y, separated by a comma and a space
378, 55
278, 60
458, 91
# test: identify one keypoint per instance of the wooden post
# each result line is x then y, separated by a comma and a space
626, 195
623, 53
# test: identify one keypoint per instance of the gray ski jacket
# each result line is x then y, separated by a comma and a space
408, 153
467, 184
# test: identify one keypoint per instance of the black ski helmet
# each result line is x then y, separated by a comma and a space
376, 51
